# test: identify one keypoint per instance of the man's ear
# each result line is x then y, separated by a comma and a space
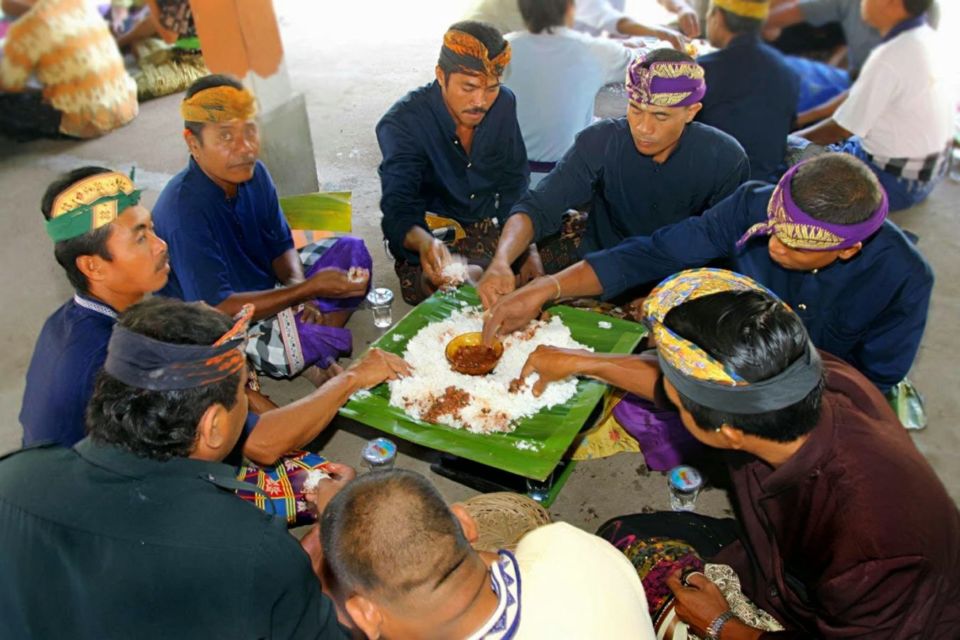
733, 437
440, 77
365, 614
693, 110
467, 523
213, 429
849, 252
92, 267
193, 143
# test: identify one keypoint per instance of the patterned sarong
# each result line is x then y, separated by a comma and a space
286, 345
283, 485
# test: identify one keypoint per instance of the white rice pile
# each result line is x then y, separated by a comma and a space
492, 407
454, 273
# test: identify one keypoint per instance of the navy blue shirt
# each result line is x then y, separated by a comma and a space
425, 168
870, 310
68, 356
218, 245
752, 94
630, 194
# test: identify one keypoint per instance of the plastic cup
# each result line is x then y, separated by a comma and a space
380, 301
379, 453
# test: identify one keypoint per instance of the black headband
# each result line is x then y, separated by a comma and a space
788, 387
145, 363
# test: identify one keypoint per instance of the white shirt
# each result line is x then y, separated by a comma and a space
577, 585
902, 104
556, 77
596, 16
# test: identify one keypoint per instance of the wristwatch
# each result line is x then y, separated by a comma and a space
713, 631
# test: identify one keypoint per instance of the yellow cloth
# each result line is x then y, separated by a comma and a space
577, 585
68, 46
745, 8
606, 437
219, 104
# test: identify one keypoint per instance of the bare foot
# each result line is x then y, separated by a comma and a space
318, 376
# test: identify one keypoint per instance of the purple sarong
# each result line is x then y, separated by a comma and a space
663, 439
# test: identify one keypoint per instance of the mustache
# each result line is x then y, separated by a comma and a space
477, 110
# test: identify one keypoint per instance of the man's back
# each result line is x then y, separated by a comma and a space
752, 95
855, 534
111, 545
555, 77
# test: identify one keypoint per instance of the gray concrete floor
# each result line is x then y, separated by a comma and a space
349, 79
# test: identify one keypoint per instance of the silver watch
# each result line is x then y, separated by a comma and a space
713, 631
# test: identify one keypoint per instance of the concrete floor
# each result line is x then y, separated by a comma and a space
349, 80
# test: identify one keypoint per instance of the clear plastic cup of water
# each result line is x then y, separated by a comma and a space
685, 484
538, 490
380, 301
379, 454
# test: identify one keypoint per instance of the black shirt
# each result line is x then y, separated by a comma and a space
99, 543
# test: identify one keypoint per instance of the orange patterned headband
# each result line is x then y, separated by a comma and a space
463, 51
219, 104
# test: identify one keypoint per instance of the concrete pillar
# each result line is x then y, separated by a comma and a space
241, 38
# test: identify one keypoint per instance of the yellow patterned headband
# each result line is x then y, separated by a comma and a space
90, 204
219, 104
685, 286
463, 51
745, 8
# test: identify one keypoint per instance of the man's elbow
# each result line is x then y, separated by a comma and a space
261, 452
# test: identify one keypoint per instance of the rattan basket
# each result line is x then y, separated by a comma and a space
503, 518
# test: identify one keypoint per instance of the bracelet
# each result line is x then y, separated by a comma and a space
556, 283
713, 631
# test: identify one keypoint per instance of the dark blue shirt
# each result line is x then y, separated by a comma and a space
68, 356
752, 94
425, 168
219, 245
869, 310
629, 193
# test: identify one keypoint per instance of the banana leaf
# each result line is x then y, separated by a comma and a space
537, 444
324, 211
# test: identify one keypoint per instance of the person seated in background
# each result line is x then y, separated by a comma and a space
400, 563
85, 91
654, 167
752, 93
555, 74
860, 286
230, 244
453, 159
846, 529
898, 116
105, 242
594, 17
861, 38
136, 530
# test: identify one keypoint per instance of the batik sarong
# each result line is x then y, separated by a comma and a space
285, 345
282, 486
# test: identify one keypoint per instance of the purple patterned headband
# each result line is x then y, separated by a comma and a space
798, 230
665, 84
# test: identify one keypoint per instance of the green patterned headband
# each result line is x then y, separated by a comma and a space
90, 204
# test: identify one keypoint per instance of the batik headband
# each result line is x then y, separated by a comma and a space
463, 51
703, 379
745, 8
146, 363
665, 84
90, 204
219, 104
799, 230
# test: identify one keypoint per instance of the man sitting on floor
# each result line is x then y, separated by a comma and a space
400, 563
898, 117
860, 286
453, 159
136, 532
847, 531
86, 91
230, 244
752, 93
105, 242
556, 73
639, 173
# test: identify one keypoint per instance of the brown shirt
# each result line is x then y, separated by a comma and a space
855, 536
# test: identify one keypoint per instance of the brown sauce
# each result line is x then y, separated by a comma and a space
474, 360
450, 403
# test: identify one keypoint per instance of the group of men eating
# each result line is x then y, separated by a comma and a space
780, 311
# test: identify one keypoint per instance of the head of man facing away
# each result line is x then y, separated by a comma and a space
401, 561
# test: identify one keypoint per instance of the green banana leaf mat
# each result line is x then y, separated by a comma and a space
537, 444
